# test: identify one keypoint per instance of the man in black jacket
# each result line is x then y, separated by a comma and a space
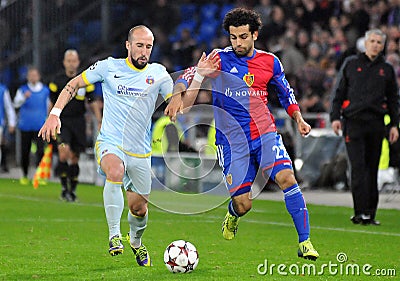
366, 89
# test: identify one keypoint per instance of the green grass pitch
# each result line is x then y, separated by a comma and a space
43, 238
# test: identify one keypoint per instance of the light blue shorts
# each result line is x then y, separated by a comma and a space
137, 176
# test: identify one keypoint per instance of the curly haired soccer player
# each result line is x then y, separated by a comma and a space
246, 135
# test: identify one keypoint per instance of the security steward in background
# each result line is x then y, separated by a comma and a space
72, 140
366, 89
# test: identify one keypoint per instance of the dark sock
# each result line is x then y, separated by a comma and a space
63, 172
73, 173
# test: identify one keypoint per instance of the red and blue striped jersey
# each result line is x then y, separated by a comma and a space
240, 90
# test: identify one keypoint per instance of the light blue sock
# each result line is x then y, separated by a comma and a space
137, 227
297, 208
113, 206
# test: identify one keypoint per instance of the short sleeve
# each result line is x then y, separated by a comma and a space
96, 72
166, 87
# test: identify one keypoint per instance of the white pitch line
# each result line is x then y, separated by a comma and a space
339, 229
209, 217
46, 220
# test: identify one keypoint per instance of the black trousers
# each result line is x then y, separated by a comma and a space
26, 142
364, 144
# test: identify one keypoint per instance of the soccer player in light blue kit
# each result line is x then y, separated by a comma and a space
130, 90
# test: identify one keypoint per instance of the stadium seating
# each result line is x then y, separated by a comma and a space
188, 12
209, 12
207, 31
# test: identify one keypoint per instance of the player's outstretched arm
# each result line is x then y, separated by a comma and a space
183, 97
52, 126
206, 66
302, 126
175, 104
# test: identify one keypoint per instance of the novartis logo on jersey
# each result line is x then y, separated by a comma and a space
245, 93
130, 92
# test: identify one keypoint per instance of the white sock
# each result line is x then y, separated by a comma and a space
113, 206
137, 227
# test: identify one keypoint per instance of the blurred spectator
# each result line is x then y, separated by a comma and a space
314, 52
334, 24
5, 33
311, 14
394, 13
312, 77
164, 15
379, 12
392, 47
339, 43
290, 56
393, 32
162, 46
182, 49
302, 41
7, 117
350, 31
264, 8
360, 16
311, 103
394, 60
218, 42
32, 99
270, 33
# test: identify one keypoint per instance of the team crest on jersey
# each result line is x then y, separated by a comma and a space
229, 179
150, 80
248, 79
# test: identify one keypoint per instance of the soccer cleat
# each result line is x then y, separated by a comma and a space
116, 247
306, 250
24, 181
356, 219
73, 197
65, 196
374, 222
142, 256
229, 226
42, 182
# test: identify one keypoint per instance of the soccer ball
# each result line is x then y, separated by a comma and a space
181, 257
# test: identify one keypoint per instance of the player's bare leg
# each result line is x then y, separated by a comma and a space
238, 206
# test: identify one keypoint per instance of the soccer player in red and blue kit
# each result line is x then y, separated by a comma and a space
246, 135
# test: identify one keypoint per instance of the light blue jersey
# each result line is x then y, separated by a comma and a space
129, 96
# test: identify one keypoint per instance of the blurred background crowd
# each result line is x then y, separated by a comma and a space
311, 37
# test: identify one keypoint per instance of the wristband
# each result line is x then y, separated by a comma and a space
55, 111
198, 77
